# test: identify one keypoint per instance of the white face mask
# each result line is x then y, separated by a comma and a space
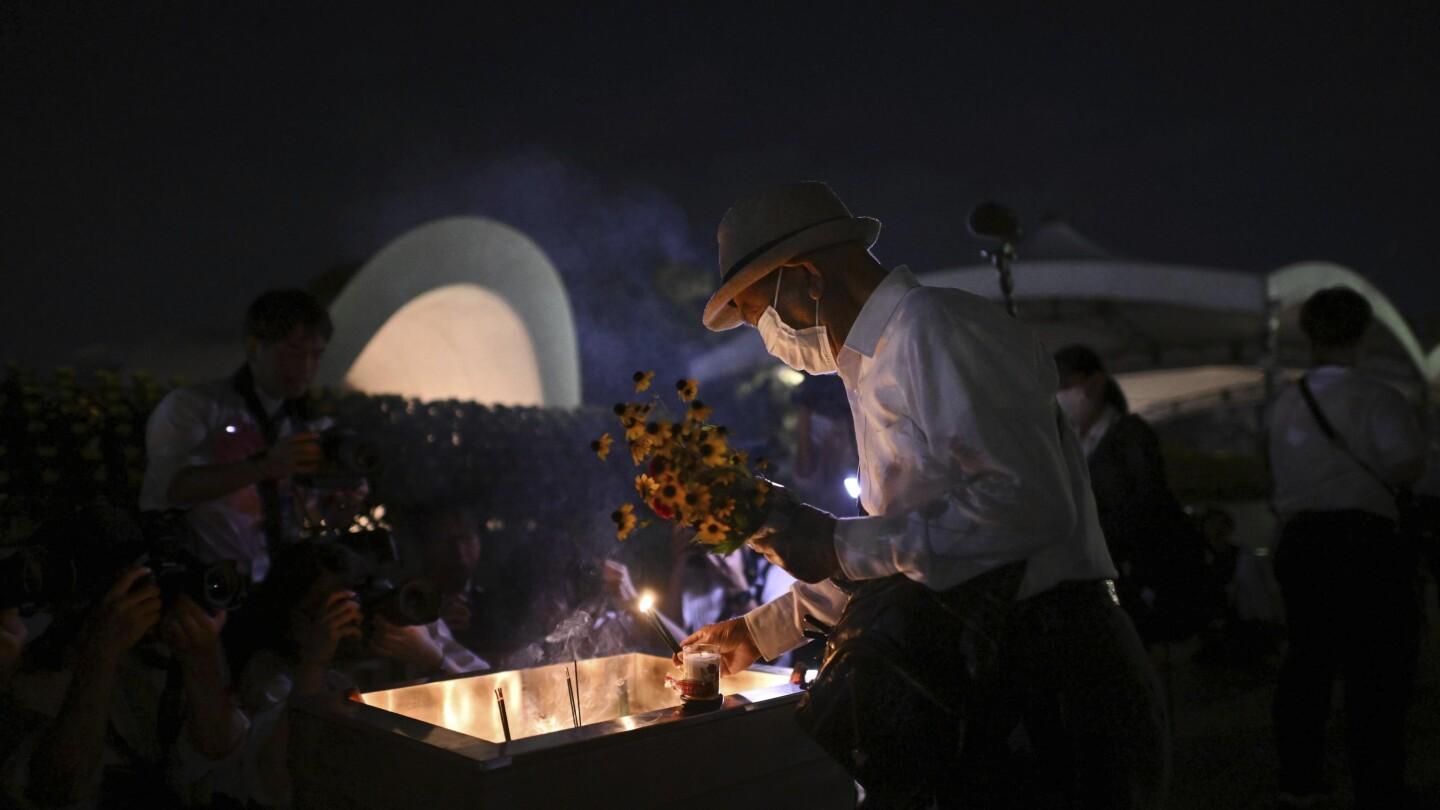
1075, 404
806, 350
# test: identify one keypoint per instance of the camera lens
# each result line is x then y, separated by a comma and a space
222, 585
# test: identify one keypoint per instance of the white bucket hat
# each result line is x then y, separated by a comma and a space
764, 231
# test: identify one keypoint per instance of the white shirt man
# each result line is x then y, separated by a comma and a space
979, 490
210, 424
1375, 421
226, 450
941, 382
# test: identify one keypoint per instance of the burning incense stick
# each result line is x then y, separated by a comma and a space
579, 696
570, 690
647, 607
504, 720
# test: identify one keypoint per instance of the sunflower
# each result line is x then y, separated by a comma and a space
601, 446
713, 451
712, 532
634, 428
624, 518
671, 493
659, 433
696, 504
640, 449
698, 411
646, 486
687, 389
642, 380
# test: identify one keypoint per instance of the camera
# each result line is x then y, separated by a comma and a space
346, 459
414, 601
76, 558
214, 586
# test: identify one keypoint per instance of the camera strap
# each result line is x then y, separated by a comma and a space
1337, 440
274, 504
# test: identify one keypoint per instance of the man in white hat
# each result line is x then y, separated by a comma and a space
974, 486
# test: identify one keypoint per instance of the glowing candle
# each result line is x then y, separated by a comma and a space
647, 607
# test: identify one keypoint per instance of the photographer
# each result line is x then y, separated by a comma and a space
226, 450
446, 544
134, 715
311, 632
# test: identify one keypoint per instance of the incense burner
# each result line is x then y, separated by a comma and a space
441, 744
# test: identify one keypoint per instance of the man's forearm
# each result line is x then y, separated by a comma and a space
206, 482
214, 722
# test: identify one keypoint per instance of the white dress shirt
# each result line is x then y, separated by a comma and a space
966, 463
211, 424
1311, 473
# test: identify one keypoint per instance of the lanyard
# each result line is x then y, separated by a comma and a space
273, 505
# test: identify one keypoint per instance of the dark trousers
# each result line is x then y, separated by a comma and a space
1351, 610
1074, 675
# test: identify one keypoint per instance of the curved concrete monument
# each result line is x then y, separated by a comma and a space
461, 308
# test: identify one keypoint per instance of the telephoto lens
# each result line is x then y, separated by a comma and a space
412, 602
214, 586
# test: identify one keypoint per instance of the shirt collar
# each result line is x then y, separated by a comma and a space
271, 406
1097, 431
879, 307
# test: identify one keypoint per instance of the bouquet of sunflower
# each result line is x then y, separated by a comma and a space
691, 475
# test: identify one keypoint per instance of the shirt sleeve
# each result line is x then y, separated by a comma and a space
777, 626
988, 466
457, 658
174, 439
1395, 431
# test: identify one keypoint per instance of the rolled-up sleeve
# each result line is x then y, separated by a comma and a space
778, 626
456, 658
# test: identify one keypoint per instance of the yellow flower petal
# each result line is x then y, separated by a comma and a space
601, 446
687, 389
712, 532
698, 411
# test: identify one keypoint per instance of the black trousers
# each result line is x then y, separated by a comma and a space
1349, 586
1074, 678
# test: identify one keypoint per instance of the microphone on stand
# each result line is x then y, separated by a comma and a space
991, 220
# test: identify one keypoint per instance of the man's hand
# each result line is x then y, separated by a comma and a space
805, 547
406, 644
12, 640
192, 634
318, 634
732, 637
296, 453
455, 610
617, 582
125, 614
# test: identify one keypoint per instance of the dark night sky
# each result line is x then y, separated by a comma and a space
160, 168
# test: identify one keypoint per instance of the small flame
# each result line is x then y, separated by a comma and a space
646, 602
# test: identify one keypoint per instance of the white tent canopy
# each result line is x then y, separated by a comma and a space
1144, 316
1212, 332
